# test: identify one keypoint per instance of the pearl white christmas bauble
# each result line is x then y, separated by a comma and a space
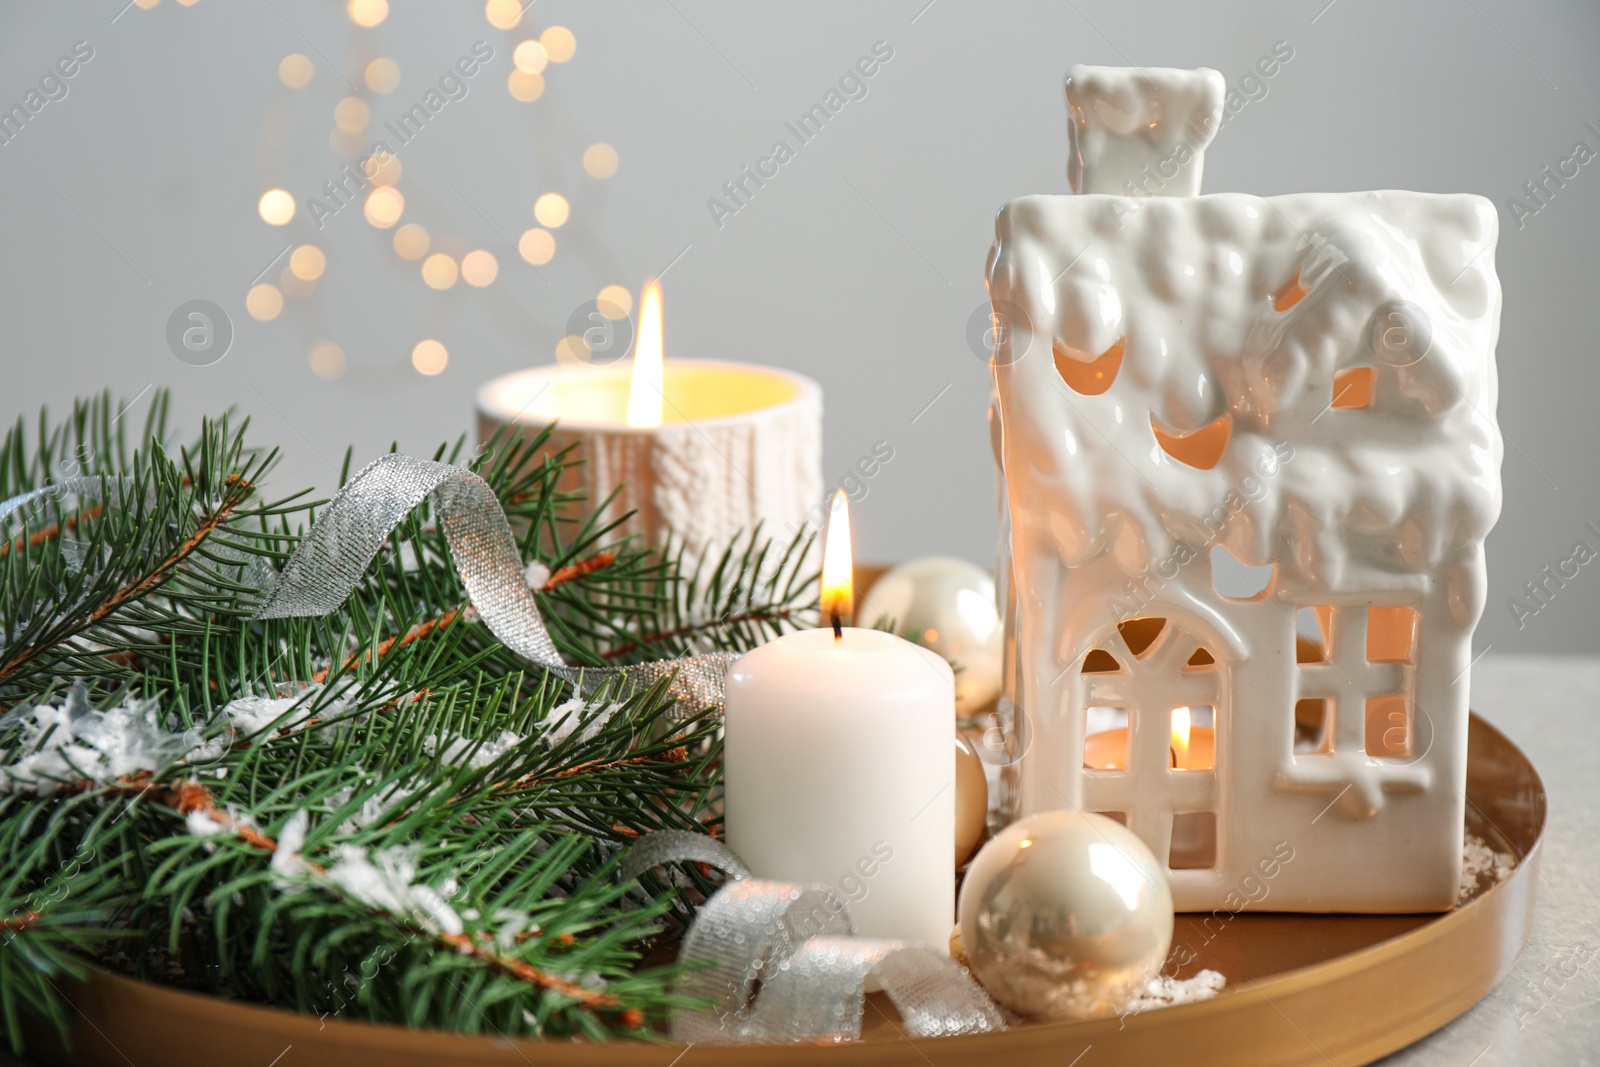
947, 605
1065, 915
972, 800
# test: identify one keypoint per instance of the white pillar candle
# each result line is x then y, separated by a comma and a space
839, 769
703, 451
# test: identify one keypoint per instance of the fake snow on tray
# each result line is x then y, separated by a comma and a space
1164, 992
1482, 868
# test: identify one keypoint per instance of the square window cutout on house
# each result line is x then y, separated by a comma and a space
1391, 635
1313, 727
1105, 738
1312, 627
1194, 841
1390, 727
1194, 738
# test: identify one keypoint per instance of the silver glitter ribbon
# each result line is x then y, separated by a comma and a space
334, 554
778, 961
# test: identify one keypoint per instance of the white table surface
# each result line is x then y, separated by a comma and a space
1547, 1011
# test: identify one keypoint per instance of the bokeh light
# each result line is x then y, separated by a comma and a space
384, 206
503, 14
264, 302
479, 268
439, 271
559, 43
367, 13
352, 114
327, 360
530, 56
600, 160
524, 86
382, 75
430, 357
411, 241
307, 263
296, 70
614, 302
276, 207
551, 210
537, 246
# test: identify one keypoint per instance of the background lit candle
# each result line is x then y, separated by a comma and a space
839, 766
697, 450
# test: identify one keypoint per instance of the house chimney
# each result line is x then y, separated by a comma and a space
1140, 131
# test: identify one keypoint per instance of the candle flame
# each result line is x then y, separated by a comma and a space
1180, 726
644, 391
1180, 736
836, 570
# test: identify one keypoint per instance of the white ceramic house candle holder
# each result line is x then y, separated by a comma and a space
1305, 383
738, 445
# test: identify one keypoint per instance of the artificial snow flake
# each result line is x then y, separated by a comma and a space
201, 824
1481, 867
564, 720
536, 574
385, 880
487, 752
286, 861
1164, 992
76, 742
252, 714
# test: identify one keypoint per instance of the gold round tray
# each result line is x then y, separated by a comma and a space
1302, 989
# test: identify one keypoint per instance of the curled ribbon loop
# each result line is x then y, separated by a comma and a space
330, 560
779, 961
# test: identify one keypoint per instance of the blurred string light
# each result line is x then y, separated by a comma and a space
382, 75
551, 210
479, 268
430, 357
385, 204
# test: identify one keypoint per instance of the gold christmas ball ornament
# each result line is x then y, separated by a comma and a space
972, 800
1065, 915
947, 605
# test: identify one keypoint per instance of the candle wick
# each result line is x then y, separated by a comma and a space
1172, 757
838, 627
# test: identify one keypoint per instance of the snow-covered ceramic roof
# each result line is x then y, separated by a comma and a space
1218, 340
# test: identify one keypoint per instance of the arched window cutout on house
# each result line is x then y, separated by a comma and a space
1140, 634
1236, 580
1201, 449
1099, 661
1090, 376
1352, 389
1289, 294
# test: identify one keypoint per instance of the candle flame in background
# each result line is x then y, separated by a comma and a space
644, 391
837, 591
1180, 736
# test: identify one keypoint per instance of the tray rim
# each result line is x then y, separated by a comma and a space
132, 1009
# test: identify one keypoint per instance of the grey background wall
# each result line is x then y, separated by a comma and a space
860, 263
